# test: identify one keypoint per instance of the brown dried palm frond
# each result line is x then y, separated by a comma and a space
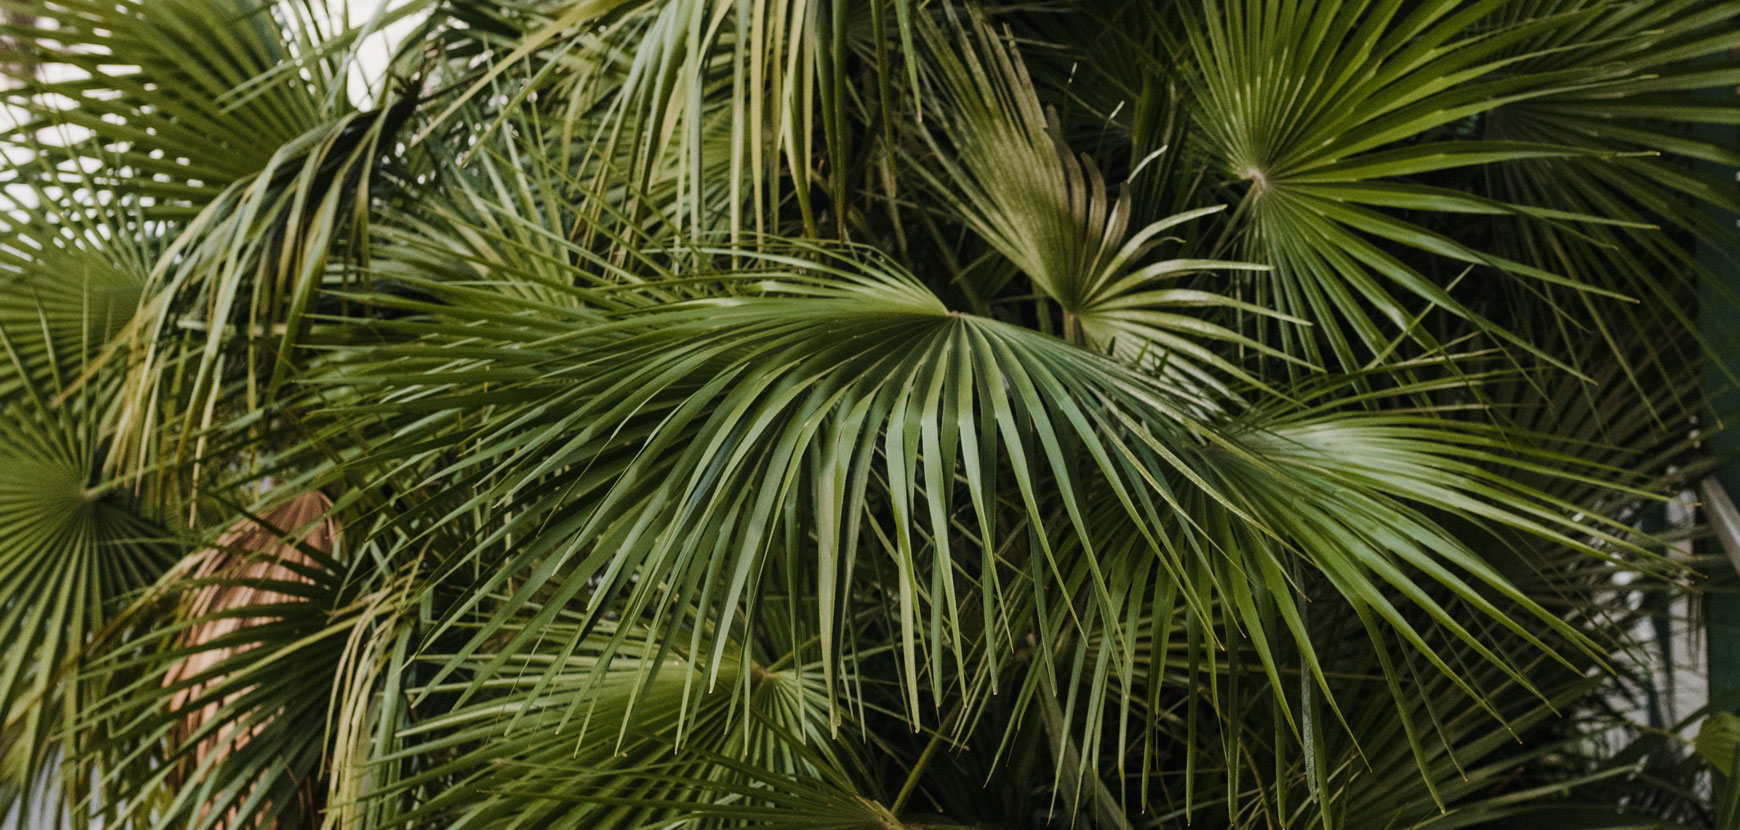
232, 575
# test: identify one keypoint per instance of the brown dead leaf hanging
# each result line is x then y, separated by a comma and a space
250, 552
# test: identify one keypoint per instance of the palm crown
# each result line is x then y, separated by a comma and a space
763, 413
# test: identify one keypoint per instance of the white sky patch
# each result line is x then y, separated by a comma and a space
369, 63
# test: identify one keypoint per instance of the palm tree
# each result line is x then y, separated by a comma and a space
884, 414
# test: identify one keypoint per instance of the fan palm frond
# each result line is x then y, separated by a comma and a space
1234, 413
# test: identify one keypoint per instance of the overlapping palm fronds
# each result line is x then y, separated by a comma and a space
236, 576
766, 413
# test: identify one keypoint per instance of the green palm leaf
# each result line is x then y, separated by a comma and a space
787, 413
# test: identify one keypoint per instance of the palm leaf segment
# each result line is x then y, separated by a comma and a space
75, 548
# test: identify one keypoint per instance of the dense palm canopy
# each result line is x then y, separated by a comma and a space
786, 413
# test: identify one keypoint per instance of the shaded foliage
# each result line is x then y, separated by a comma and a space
767, 413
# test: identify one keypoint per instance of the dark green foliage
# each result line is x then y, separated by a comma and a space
861, 415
